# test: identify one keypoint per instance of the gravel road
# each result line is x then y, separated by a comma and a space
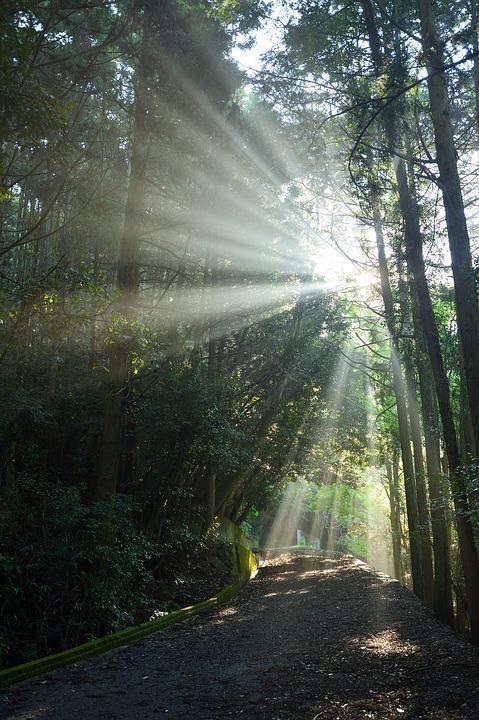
308, 638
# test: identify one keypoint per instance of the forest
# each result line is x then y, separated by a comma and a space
239, 248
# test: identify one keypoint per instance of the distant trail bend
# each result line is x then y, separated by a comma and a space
309, 638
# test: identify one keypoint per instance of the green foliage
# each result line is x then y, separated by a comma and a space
52, 598
53, 595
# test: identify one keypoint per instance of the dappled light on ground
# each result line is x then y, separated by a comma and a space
309, 637
384, 643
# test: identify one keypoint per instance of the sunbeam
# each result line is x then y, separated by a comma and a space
283, 530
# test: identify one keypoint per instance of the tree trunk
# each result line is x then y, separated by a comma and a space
395, 519
442, 600
475, 49
462, 268
416, 436
415, 260
467, 445
122, 331
400, 396
211, 478
409, 479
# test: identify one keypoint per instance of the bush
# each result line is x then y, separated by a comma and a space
53, 595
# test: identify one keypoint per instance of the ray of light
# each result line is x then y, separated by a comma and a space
379, 550
286, 520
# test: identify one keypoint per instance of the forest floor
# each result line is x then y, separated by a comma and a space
308, 638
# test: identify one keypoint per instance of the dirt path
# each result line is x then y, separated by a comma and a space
306, 639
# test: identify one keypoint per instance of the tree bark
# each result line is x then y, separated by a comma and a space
475, 49
416, 436
462, 268
416, 268
122, 331
442, 599
467, 445
400, 397
399, 390
395, 519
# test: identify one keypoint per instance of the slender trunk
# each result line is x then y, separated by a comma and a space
402, 515
420, 475
415, 260
460, 595
123, 334
442, 600
211, 477
212, 367
409, 479
210, 470
462, 268
400, 397
397, 497
416, 436
92, 348
174, 341
395, 519
475, 48
468, 449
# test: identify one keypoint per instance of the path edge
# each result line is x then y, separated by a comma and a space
10, 676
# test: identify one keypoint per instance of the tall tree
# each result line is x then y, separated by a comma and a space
121, 343
450, 183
